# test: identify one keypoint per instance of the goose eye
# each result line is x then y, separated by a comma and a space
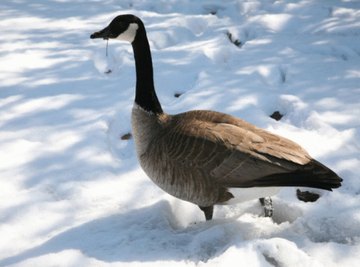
118, 28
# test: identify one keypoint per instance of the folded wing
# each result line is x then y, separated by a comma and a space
235, 153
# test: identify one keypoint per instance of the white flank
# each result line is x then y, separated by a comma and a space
246, 194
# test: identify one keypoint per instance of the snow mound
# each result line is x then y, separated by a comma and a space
72, 192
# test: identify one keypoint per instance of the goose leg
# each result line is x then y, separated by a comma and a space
208, 211
266, 202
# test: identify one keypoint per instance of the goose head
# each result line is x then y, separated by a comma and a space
123, 28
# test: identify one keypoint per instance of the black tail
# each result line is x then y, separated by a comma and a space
314, 174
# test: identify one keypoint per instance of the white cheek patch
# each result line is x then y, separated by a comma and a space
129, 34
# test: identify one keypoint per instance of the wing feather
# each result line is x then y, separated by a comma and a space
229, 150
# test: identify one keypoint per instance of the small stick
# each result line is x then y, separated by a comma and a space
107, 45
106, 53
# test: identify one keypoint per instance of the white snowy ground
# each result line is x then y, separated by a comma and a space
72, 192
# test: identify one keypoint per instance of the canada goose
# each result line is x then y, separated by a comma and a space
202, 156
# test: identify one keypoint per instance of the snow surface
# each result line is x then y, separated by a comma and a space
72, 192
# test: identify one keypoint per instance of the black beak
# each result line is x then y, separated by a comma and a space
104, 33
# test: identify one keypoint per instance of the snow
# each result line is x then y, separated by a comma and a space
72, 192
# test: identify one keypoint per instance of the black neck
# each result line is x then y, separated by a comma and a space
145, 91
